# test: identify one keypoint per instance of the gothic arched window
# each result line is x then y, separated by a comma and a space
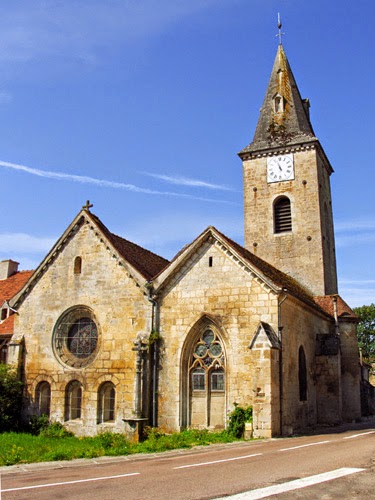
207, 363
282, 215
73, 401
43, 398
106, 403
302, 374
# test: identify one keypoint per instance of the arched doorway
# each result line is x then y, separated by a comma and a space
204, 373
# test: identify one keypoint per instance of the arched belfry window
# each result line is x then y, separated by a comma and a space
282, 213
302, 374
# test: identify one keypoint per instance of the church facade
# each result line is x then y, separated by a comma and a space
110, 336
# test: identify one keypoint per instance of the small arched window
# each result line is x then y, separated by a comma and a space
302, 375
43, 398
282, 215
73, 401
106, 402
78, 265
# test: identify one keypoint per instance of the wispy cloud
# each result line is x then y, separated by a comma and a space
354, 240
83, 179
5, 97
355, 225
354, 232
71, 31
185, 181
22, 243
167, 233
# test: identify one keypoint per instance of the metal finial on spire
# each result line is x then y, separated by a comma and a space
279, 25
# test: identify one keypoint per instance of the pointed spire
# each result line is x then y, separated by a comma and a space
284, 115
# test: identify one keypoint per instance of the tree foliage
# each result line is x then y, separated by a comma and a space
366, 331
10, 399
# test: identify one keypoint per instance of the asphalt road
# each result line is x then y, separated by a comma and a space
211, 472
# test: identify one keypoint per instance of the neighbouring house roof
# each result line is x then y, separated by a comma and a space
12, 285
9, 287
7, 326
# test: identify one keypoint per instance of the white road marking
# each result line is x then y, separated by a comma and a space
304, 446
359, 435
49, 485
292, 485
217, 461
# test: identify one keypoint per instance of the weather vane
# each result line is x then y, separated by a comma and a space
279, 25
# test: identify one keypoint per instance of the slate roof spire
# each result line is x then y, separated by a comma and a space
284, 116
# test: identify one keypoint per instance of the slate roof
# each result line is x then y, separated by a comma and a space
294, 119
147, 263
12, 285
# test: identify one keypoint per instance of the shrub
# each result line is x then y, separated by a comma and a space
237, 419
55, 430
10, 399
37, 424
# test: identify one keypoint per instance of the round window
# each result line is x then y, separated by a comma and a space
76, 337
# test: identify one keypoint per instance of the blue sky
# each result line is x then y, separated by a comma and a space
141, 107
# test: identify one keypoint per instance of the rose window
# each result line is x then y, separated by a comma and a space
76, 337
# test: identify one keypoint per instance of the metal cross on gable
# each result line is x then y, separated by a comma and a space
280, 33
87, 206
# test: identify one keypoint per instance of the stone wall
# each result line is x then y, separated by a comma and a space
306, 253
231, 300
121, 310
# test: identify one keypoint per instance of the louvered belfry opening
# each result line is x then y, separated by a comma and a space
282, 215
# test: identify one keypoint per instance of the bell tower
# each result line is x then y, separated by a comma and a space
287, 193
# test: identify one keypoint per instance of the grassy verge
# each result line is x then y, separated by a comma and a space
17, 448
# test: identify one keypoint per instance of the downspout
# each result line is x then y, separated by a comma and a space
280, 331
335, 314
154, 354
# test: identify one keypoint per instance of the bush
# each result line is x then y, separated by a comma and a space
55, 430
237, 419
10, 399
37, 424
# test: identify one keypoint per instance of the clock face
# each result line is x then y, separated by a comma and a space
280, 168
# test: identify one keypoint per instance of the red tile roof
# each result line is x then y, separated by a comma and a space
12, 285
343, 310
147, 263
7, 326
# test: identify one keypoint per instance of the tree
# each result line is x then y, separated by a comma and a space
366, 331
10, 399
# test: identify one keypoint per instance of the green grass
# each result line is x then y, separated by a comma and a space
18, 448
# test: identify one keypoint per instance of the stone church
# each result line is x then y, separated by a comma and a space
110, 336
